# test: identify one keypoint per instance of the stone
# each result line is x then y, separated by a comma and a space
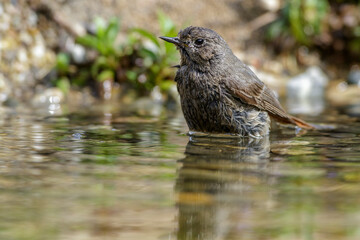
305, 92
354, 77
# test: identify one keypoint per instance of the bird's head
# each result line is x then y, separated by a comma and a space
201, 48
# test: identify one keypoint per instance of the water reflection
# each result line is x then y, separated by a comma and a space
110, 176
218, 178
305, 188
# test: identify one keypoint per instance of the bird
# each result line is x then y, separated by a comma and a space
218, 92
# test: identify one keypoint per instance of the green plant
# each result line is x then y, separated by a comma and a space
142, 61
157, 56
103, 42
62, 68
303, 19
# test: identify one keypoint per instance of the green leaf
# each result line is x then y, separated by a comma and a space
106, 75
112, 30
354, 45
166, 85
100, 25
131, 75
88, 41
111, 33
296, 21
104, 40
166, 25
81, 78
148, 53
101, 62
147, 35
63, 84
62, 63
170, 49
357, 31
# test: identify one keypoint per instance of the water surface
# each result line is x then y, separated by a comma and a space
107, 175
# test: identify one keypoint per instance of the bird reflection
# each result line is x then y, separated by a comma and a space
216, 185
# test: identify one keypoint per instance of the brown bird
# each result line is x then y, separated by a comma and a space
218, 92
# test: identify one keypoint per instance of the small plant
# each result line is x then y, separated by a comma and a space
155, 57
301, 19
103, 42
141, 61
63, 69
330, 26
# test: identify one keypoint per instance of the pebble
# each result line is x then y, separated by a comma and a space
25, 59
305, 92
4, 89
354, 77
49, 100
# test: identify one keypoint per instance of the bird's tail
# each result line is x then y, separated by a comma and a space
301, 123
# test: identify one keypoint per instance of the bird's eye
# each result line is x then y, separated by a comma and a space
199, 41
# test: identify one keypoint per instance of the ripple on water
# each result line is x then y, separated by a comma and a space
94, 179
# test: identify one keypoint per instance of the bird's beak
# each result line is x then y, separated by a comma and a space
174, 40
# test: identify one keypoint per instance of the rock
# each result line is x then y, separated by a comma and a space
354, 77
305, 92
149, 106
24, 57
146, 107
270, 5
80, 98
353, 110
341, 94
50, 100
4, 88
77, 52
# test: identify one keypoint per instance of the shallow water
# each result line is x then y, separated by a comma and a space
107, 175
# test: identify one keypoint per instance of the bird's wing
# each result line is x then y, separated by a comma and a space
246, 86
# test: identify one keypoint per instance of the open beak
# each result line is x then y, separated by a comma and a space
174, 40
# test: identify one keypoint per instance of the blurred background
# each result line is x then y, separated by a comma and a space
89, 51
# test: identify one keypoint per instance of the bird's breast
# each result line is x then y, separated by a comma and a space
197, 86
201, 100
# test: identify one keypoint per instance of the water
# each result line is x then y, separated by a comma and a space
107, 175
